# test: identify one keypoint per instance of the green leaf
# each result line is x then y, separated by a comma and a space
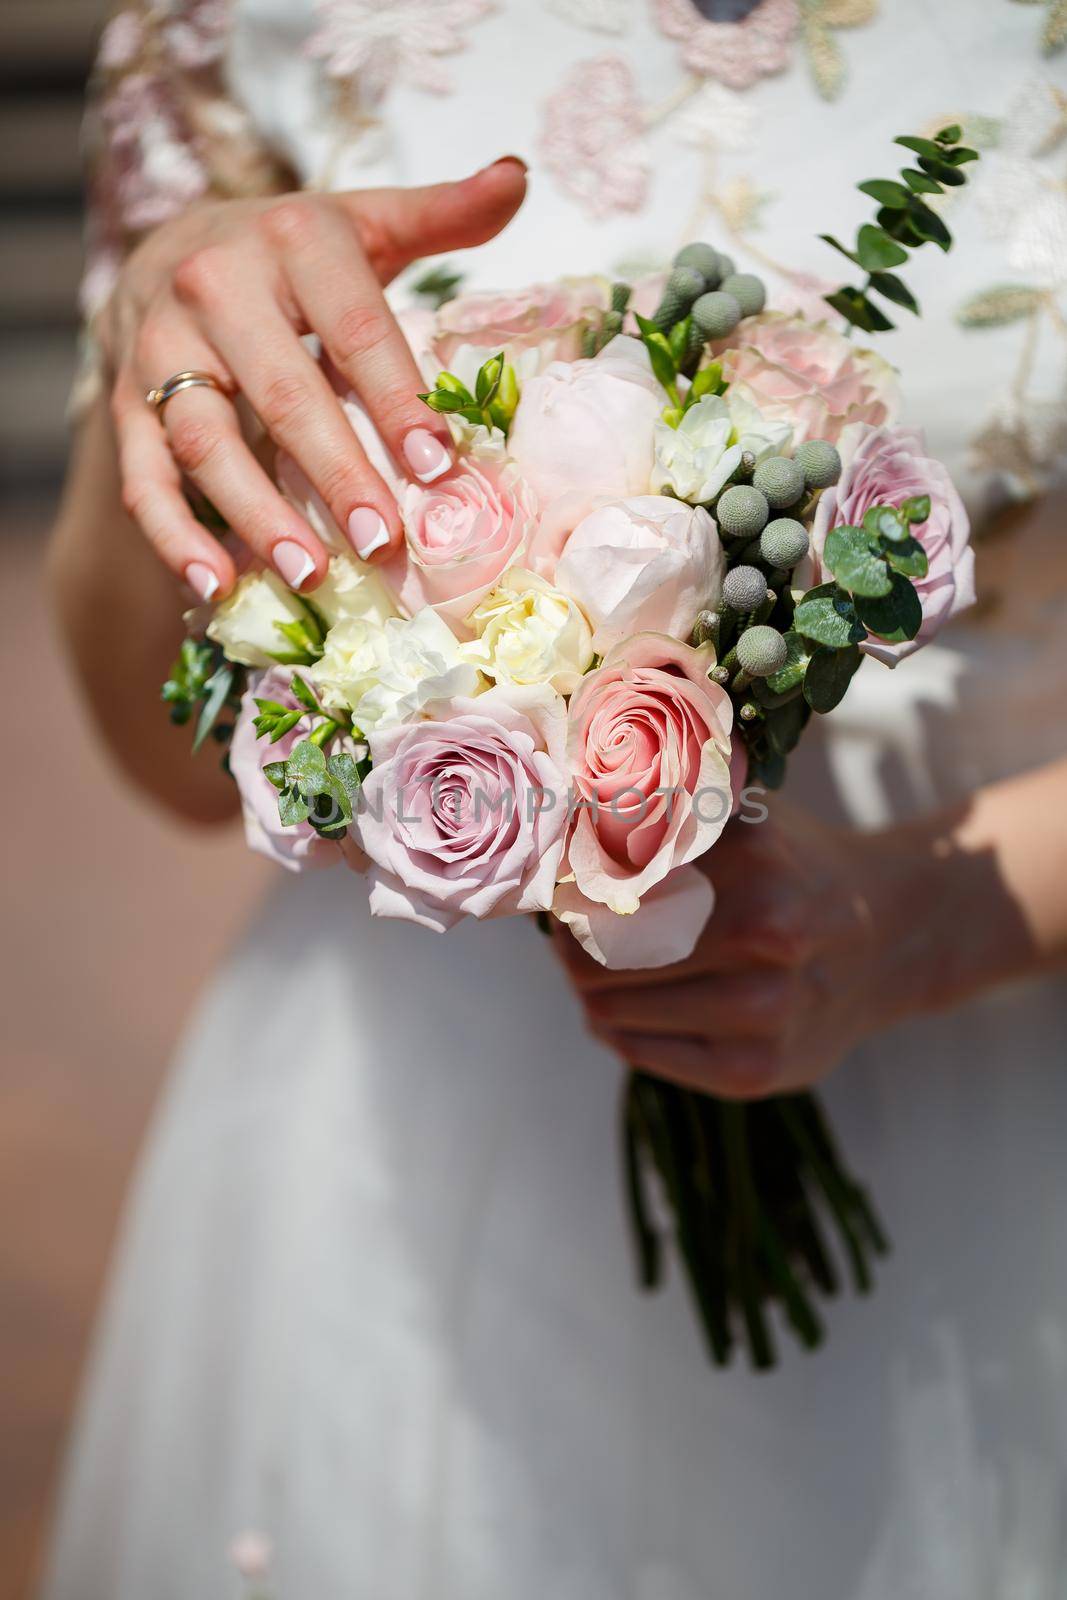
769, 770
996, 307
828, 676
920, 182
950, 135
915, 510
784, 726
678, 339
301, 691
217, 690
895, 289
944, 172
307, 767
961, 155
928, 225
856, 562
441, 401
796, 662
908, 557
886, 192
894, 617
855, 307
829, 239
285, 725
922, 147
450, 384
829, 616
342, 767
274, 772
885, 522
438, 284
292, 807
876, 250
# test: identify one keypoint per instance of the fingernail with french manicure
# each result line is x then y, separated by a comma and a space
367, 531
294, 564
426, 455
201, 580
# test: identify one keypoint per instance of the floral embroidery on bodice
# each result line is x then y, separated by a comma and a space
402, 41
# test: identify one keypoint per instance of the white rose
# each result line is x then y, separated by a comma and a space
247, 623
393, 673
352, 590
648, 564
528, 632
758, 436
698, 457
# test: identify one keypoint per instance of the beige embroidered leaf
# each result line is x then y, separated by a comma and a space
825, 58
994, 308
1055, 32
847, 13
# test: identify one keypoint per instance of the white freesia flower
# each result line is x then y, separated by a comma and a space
528, 632
392, 673
246, 623
698, 457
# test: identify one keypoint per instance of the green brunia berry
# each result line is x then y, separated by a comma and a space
744, 589
727, 268
783, 543
703, 258
742, 511
682, 288
747, 290
781, 480
819, 462
761, 650
716, 314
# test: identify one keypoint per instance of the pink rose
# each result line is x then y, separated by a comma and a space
644, 565
466, 816
462, 532
809, 375
649, 746
293, 847
585, 427
664, 928
546, 317
884, 466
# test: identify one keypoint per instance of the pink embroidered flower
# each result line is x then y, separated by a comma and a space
809, 375
737, 53
400, 41
591, 139
195, 34
154, 171
120, 42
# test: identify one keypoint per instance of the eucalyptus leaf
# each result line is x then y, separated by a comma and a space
784, 726
876, 250
856, 562
894, 617
944, 172
856, 308
895, 289
908, 557
922, 147
829, 616
216, 693
828, 676
292, 807
885, 522
920, 182
916, 509
886, 192
796, 661
274, 772
950, 135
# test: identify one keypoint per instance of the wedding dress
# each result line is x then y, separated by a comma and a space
374, 1296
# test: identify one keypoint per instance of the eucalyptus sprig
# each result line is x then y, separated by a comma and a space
493, 403
316, 788
203, 684
437, 285
904, 222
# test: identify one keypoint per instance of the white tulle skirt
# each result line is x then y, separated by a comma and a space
375, 1299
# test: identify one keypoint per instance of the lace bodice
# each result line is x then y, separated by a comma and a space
647, 122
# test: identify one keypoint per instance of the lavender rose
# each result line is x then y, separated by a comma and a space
885, 466
466, 815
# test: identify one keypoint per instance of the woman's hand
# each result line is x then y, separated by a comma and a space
229, 288
792, 969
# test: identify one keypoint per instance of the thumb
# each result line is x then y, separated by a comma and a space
397, 226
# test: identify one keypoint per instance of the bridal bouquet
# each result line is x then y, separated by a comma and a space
678, 522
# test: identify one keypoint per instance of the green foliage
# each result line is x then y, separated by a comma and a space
276, 720
437, 285
493, 403
829, 675
904, 221
827, 615
203, 684
316, 788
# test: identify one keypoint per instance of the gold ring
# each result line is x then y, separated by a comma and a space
157, 398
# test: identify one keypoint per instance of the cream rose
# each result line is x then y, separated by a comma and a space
529, 632
392, 673
247, 624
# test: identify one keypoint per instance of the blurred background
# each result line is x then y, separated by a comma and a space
103, 938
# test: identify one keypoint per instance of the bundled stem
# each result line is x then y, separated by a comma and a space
748, 1187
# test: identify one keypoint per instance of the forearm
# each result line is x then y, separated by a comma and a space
120, 614
976, 896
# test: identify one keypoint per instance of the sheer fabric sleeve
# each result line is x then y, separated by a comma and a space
160, 134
